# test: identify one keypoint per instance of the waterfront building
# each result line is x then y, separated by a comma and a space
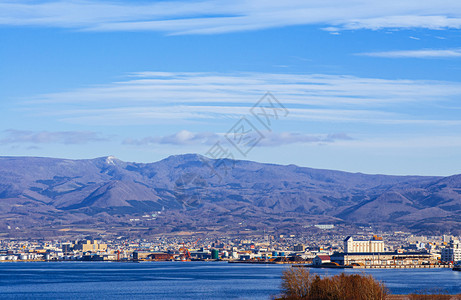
384, 259
452, 253
376, 244
138, 255
321, 259
90, 246
160, 256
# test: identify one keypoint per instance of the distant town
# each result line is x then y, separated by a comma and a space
327, 249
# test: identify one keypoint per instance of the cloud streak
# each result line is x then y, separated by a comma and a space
180, 138
46, 137
424, 53
157, 97
214, 17
185, 137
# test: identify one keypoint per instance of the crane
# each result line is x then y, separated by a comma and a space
184, 253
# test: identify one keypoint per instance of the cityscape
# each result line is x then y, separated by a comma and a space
327, 250
217, 149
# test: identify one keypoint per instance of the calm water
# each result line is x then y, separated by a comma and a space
181, 280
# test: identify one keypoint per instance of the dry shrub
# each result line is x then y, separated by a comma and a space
436, 294
429, 297
298, 283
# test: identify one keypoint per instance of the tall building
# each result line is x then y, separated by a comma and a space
299, 248
90, 246
375, 245
66, 248
452, 253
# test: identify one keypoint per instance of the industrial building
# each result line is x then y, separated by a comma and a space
376, 244
384, 259
83, 246
90, 246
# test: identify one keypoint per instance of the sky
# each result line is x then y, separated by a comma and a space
360, 85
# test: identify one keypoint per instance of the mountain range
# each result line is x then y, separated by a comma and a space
190, 192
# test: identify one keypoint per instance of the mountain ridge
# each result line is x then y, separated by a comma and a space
106, 190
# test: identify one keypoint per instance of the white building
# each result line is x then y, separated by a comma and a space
375, 245
452, 253
325, 226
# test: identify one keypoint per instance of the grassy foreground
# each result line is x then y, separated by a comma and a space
299, 283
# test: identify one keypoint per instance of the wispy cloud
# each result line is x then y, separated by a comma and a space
186, 137
183, 137
423, 53
407, 17
274, 139
46, 137
150, 97
219, 16
203, 89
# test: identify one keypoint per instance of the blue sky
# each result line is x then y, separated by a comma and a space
370, 86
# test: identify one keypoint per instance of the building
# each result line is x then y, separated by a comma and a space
90, 246
67, 248
452, 253
203, 254
138, 255
321, 259
376, 244
384, 259
299, 248
160, 256
325, 226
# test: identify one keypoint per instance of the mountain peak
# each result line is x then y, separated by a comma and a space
111, 160
186, 157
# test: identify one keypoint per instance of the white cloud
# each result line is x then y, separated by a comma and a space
414, 141
245, 88
405, 21
218, 16
46, 137
285, 138
424, 53
183, 137
151, 97
186, 137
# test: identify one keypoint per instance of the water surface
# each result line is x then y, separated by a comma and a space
183, 280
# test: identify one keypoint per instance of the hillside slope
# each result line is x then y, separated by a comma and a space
107, 190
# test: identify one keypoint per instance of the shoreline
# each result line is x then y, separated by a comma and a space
293, 264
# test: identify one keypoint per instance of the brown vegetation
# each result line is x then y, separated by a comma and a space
424, 297
298, 283
436, 295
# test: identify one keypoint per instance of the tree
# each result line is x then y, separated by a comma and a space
299, 283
